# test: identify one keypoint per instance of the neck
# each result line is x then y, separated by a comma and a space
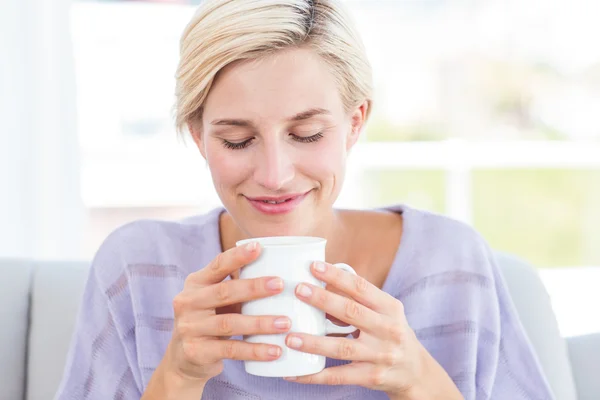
331, 227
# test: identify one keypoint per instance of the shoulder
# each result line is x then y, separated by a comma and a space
434, 244
178, 245
441, 235
442, 258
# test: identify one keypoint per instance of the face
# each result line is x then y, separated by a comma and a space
276, 135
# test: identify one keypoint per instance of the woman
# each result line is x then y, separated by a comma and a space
275, 94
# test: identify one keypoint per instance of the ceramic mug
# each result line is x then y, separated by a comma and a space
290, 258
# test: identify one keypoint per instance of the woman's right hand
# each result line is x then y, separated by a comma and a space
202, 329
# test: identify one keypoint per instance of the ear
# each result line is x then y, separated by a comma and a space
195, 129
358, 118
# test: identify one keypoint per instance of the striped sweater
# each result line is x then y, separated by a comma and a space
443, 272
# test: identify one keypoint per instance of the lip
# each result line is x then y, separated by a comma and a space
279, 198
293, 200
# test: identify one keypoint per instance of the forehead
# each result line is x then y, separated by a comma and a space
274, 87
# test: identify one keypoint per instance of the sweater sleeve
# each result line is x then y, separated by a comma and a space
101, 362
457, 303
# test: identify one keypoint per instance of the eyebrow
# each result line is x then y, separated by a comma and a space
304, 115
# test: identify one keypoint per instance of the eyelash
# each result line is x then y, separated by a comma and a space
245, 143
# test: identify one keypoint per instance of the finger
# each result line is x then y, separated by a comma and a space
236, 291
225, 264
236, 324
342, 308
355, 286
216, 350
332, 347
350, 374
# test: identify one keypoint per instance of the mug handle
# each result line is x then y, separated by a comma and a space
330, 327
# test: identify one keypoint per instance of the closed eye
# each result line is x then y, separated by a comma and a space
308, 139
246, 143
238, 145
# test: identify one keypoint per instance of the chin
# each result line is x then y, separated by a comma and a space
280, 228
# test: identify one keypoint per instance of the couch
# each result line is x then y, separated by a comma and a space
39, 303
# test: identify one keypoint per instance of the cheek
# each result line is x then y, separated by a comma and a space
226, 167
326, 161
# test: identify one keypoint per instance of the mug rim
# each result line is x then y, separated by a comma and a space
283, 241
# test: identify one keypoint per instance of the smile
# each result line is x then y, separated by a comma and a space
277, 205
275, 201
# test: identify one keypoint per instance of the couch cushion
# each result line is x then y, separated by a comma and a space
535, 311
57, 289
15, 277
584, 352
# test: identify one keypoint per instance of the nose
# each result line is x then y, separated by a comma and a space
274, 166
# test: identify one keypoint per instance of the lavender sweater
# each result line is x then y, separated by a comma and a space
443, 272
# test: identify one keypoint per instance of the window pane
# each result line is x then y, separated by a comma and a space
549, 217
418, 188
493, 69
125, 74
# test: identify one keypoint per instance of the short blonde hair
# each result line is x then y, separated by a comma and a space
225, 31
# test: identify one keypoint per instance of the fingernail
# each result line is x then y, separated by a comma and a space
320, 266
282, 323
304, 291
295, 342
290, 378
275, 284
274, 351
250, 247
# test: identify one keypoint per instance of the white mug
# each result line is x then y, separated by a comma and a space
290, 258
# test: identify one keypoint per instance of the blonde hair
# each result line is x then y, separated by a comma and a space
225, 31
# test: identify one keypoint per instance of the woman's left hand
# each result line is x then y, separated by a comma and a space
386, 355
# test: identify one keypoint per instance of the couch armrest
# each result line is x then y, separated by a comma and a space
15, 278
584, 353
57, 288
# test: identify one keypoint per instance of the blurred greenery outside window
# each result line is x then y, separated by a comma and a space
550, 217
